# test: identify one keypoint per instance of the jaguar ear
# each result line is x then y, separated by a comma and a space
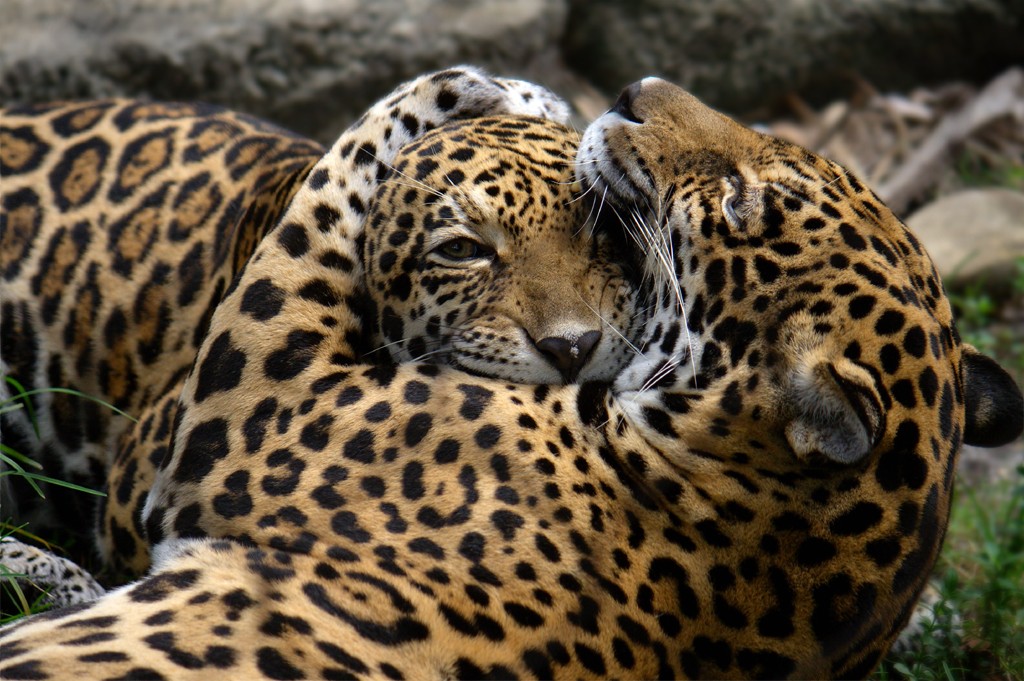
839, 413
994, 407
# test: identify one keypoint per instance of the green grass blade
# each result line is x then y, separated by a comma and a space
77, 393
10, 451
54, 481
14, 588
19, 470
6, 407
22, 395
8, 529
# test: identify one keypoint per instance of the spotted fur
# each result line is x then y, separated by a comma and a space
61, 580
534, 292
760, 494
125, 222
122, 224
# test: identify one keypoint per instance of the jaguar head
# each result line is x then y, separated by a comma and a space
479, 254
788, 287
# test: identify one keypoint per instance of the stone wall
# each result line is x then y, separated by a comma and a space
314, 64
311, 65
742, 54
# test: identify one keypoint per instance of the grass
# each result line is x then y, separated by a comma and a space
977, 625
16, 460
24, 605
985, 321
18, 465
15, 603
974, 171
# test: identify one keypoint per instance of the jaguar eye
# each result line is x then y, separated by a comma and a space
460, 249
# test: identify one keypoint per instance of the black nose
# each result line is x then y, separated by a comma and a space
569, 355
624, 104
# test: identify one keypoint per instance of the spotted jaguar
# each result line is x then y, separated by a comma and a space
761, 492
124, 223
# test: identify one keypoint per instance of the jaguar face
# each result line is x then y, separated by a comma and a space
805, 295
479, 254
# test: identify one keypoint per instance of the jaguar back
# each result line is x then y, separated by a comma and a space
123, 223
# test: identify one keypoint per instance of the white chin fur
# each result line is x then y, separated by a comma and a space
595, 169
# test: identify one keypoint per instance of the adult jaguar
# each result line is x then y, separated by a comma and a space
124, 223
761, 493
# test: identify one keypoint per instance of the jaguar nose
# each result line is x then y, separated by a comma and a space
569, 355
624, 104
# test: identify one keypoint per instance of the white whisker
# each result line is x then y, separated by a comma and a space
458, 188
611, 326
417, 184
439, 351
657, 242
665, 369
420, 186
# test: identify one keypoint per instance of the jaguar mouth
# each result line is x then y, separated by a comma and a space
522, 377
455, 364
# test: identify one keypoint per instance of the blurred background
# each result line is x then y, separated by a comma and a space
922, 98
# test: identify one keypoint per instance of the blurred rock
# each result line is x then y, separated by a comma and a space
974, 235
911, 147
979, 465
310, 65
744, 54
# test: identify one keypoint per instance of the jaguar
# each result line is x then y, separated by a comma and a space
761, 492
122, 222
125, 222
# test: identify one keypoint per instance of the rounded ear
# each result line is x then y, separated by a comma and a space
839, 413
994, 408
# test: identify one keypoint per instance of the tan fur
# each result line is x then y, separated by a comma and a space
328, 517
